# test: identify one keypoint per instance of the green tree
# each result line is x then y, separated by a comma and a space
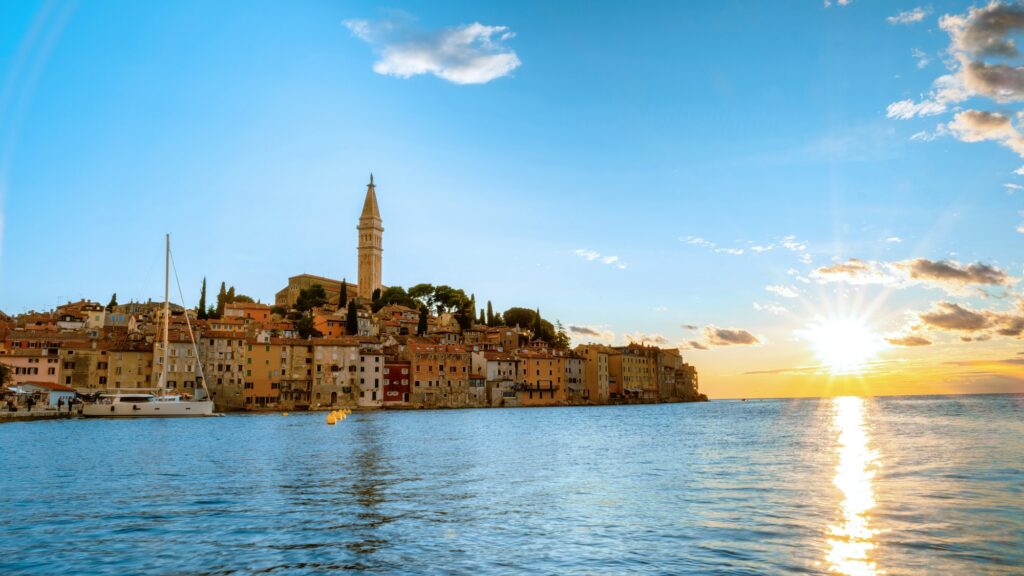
522, 317
394, 295
222, 299
242, 299
231, 296
490, 314
423, 293
537, 326
343, 297
483, 318
201, 309
498, 320
561, 339
421, 326
310, 298
112, 303
306, 328
352, 319
376, 295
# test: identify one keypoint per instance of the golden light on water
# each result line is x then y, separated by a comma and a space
852, 539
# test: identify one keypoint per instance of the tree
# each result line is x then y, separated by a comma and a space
421, 326
112, 303
352, 320
522, 317
376, 295
309, 298
222, 299
561, 339
498, 320
231, 296
306, 328
424, 293
343, 297
490, 314
537, 326
201, 309
483, 318
242, 298
394, 295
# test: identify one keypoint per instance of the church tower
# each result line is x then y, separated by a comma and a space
370, 247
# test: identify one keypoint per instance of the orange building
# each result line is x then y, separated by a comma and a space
440, 372
263, 368
542, 378
259, 313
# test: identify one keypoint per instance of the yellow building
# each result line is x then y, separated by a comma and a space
130, 367
262, 385
541, 378
596, 372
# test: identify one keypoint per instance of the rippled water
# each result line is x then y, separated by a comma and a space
849, 486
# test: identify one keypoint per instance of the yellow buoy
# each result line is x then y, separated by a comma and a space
284, 413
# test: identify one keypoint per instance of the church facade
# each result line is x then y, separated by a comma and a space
370, 252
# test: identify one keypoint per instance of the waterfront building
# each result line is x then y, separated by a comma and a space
371, 378
261, 387
182, 367
223, 355
669, 362
541, 378
84, 365
397, 382
637, 368
440, 372
596, 375
32, 365
131, 365
335, 376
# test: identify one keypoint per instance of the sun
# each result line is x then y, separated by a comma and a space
844, 345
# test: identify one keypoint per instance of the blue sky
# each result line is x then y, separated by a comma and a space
647, 133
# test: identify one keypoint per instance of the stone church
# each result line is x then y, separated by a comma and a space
371, 232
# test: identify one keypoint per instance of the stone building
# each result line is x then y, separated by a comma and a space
371, 232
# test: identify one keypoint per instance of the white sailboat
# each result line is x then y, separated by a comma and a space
161, 404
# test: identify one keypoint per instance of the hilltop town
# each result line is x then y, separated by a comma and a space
328, 343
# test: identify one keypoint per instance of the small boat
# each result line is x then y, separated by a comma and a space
160, 404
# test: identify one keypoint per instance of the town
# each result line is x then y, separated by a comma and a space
327, 343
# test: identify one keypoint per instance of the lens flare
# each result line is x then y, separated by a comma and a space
844, 345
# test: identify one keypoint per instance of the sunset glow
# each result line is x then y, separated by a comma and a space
843, 345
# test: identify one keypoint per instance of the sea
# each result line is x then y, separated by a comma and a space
857, 486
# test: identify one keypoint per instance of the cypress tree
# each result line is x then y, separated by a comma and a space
490, 314
421, 327
483, 318
112, 303
201, 313
352, 320
222, 298
375, 296
343, 297
537, 326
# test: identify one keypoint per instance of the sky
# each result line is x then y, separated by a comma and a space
807, 199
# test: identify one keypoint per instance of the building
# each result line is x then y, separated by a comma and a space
51, 394
223, 355
84, 365
371, 378
262, 385
33, 365
397, 375
440, 373
371, 232
542, 378
131, 365
595, 372
636, 369
287, 296
182, 363
259, 313
336, 369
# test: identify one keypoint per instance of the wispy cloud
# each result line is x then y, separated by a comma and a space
949, 275
784, 291
592, 255
647, 339
908, 16
599, 333
893, 240
909, 341
468, 54
771, 308
921, 57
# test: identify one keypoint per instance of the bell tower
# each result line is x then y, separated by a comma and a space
371, 232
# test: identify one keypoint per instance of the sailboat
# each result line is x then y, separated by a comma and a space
162, 403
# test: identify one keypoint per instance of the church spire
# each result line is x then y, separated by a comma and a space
370, 209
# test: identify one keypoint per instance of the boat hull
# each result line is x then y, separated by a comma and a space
180, 409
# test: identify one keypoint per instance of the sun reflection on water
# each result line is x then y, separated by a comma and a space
851, 540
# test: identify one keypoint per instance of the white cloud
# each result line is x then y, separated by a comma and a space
1019, 171
784, 291
946, 90
771, 308
792, 244
467, 54
976, 126
733, 251
893, 240
922, 58
908, 16
592, 255
1013, 187
805, 258
761, 249
698, 241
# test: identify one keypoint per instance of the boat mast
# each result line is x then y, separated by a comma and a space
167, 311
